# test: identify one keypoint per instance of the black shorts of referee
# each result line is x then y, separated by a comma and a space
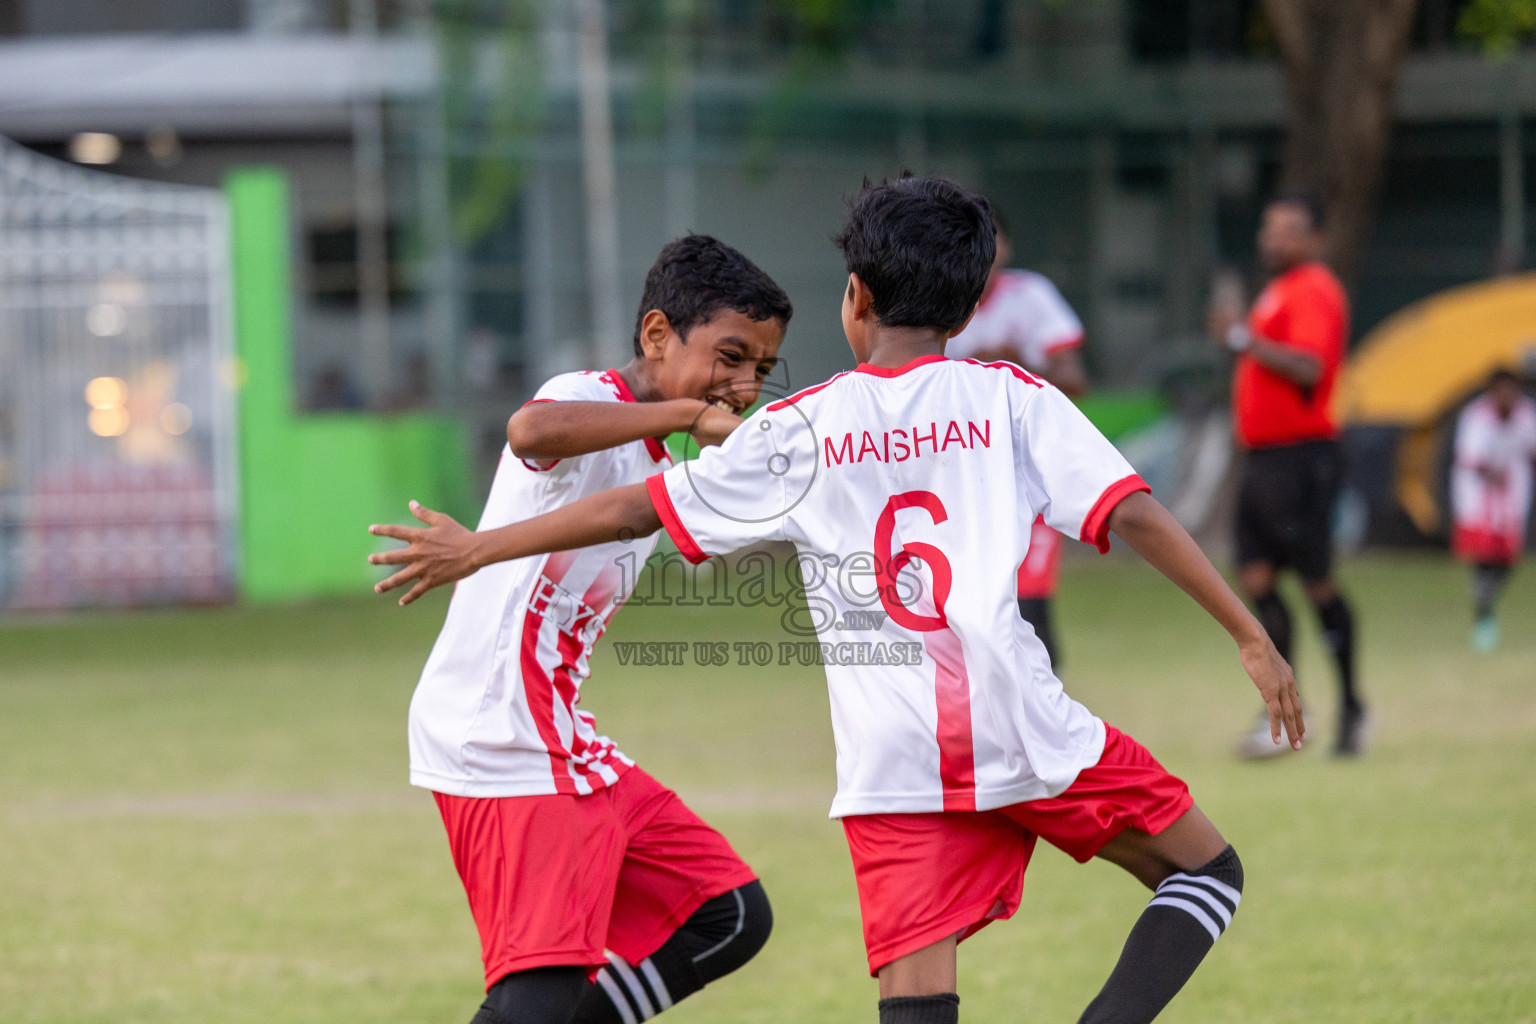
1285, 507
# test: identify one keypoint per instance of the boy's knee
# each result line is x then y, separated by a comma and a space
718, 938
759, 918
1256, 579
1321, 592
728, 931
1226, 867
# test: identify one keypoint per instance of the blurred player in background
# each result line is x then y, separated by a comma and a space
1491, 493
1289, 350
600, 898
1023, 319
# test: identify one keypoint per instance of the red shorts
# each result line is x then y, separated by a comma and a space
556, 880
924, 877
1041, 567
1482, 546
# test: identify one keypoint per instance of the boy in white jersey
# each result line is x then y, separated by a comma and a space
932, 470
1491, 493
1023, 319
599, 897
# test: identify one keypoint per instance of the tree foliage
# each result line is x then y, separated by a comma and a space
1499, 25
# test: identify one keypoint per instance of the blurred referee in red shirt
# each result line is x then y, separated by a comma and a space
1289, 350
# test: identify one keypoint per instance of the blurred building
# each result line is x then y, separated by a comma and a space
440, 154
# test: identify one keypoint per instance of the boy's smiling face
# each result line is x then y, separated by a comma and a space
724, 360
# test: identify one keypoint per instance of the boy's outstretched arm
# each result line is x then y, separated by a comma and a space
444, 551
1152, 532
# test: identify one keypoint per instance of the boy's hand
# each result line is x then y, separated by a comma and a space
713, 425
442, 553
1277, 685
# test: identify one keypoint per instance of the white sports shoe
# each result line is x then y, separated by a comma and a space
1485, 635
1256, 744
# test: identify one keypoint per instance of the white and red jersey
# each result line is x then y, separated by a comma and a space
495, 713
1491, 481
1024, 312
909, 494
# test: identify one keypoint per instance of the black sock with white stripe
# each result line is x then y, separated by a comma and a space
1187, 915
719, 937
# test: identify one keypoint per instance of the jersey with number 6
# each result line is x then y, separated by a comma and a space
908, 494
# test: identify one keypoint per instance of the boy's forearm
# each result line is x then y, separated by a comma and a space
1154, 534
563, 430
621, 513
1152, 531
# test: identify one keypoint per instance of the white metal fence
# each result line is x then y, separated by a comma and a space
117, 444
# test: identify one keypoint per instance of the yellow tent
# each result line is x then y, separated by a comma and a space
1421, 362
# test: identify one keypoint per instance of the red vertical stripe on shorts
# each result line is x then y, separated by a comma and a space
952, 688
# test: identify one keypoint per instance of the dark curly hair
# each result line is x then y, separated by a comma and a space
924, 246
697, 276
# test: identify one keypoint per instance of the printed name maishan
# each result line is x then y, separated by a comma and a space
899, 445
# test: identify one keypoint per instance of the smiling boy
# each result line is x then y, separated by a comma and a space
598, 895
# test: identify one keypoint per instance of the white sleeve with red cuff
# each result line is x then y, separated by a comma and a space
1069, 470
738, 493
581, 386
1053, 326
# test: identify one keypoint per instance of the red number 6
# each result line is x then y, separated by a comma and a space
888, 566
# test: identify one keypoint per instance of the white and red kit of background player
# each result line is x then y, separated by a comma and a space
1491, 514
1024, 312
928, 477
565, 848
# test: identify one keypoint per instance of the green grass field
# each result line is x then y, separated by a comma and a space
204, 817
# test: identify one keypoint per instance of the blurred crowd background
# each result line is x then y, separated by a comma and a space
278, 260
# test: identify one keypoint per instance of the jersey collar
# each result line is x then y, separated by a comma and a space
888, 371
653, 445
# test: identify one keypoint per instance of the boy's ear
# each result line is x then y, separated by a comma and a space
655, 328
861, 300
